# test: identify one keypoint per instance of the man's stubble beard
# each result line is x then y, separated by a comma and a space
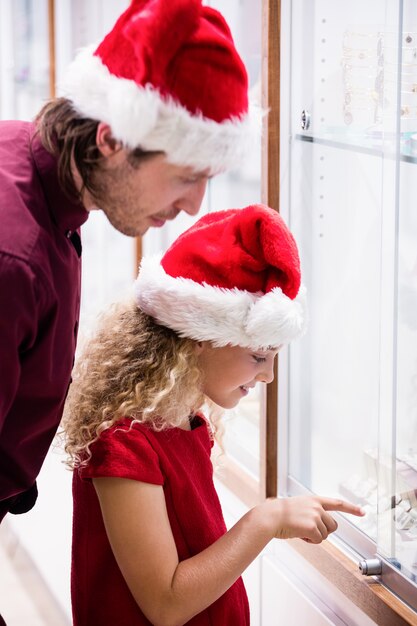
122, 210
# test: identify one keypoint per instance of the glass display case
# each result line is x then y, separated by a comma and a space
348, 389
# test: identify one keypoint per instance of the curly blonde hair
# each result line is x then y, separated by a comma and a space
131, 367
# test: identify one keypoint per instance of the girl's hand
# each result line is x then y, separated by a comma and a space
306, 517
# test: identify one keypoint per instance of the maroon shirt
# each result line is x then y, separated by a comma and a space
179, 461
40, 269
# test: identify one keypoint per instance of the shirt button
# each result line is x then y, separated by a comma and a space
68, 234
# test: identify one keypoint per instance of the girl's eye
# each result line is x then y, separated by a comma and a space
259, 359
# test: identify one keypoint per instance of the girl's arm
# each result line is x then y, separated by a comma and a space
170, 592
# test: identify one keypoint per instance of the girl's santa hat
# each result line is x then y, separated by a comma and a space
168, 78
233, 278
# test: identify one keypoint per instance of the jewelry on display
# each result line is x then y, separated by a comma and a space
408, 111
370, 69
350, 53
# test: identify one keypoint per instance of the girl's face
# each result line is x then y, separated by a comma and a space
229, 372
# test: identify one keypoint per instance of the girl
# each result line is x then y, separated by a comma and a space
150, 545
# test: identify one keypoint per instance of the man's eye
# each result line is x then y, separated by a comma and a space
259, 359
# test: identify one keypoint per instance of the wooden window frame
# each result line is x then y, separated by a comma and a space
51, 45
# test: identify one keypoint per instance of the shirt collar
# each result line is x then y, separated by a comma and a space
68, 214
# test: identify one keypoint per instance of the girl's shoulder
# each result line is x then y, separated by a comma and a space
124, 450
136, 451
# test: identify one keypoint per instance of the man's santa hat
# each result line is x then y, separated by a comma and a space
232, 278
168, 78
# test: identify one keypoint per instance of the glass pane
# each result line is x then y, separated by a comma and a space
109, 257
30, 51
406, 378
352, 391
240, 188
237, 188
397, 514
338, 134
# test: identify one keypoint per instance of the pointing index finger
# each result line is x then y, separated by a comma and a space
337, 504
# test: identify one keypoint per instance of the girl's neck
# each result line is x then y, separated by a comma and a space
187, 424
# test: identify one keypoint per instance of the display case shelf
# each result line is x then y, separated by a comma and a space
377, 145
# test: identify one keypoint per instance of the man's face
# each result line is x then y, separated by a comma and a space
135, 197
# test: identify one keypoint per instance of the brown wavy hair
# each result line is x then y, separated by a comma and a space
131, 367
72, 139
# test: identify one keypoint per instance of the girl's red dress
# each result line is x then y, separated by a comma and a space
177, 459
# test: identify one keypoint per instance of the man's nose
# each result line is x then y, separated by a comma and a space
191, 201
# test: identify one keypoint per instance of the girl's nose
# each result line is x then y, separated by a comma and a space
267, 373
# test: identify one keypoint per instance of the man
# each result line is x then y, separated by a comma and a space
146, 118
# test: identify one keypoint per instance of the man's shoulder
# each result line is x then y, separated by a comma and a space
14, 133
21, 195
15, 126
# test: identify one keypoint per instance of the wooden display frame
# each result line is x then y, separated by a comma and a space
271, 91
51, 44
375, 600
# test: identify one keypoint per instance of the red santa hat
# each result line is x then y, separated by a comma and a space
233, 278
168, 78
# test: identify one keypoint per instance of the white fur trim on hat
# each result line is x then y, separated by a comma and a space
222, 316
139, 116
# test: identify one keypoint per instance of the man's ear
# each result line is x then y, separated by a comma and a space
106, 143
